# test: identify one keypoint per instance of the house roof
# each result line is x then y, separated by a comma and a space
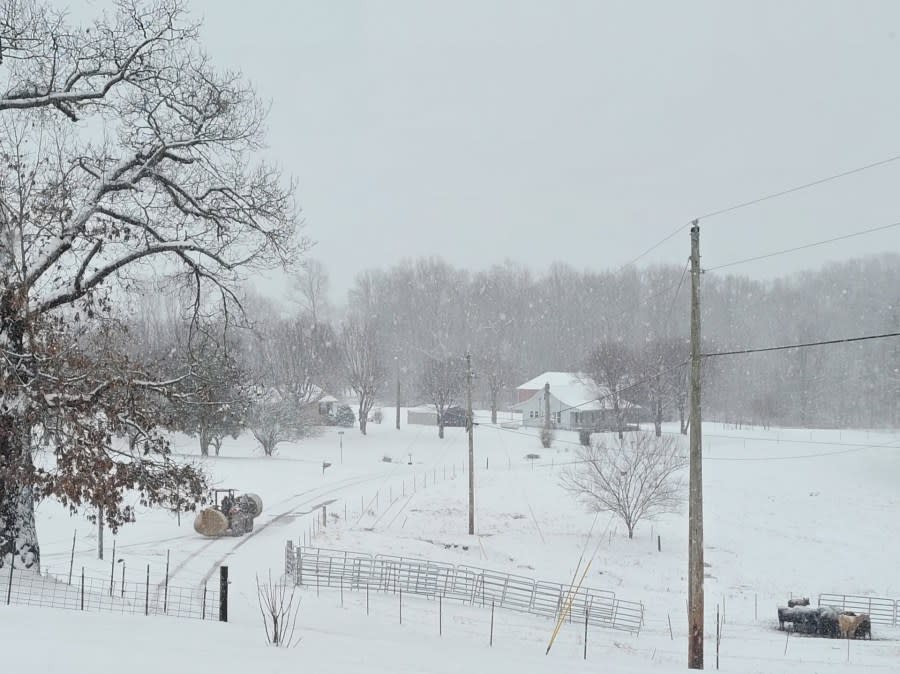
555, 379
573, 390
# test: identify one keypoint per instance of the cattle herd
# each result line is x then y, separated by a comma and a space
824, 621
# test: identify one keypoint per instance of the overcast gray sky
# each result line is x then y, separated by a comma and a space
481, 130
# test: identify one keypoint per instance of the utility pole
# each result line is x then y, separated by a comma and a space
695, 509
397, 360
470, 424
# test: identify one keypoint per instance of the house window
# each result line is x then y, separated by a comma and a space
557, 417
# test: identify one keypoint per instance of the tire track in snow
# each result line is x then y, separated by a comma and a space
242, 540
300, 500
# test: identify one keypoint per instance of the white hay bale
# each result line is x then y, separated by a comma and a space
257, 504
210, 522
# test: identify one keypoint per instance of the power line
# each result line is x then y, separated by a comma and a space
853, 447
804, 247
798, 188
766, 197
784, 347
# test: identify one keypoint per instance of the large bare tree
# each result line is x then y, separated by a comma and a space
363, 365
611, 364
636, 478
160, 171
442, 382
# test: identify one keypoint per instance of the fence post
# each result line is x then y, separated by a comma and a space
112, 568
72, 557
718, 635
123, 578
342, 590
147, 593
203, 609
367, 599
223, 594
491, 643
166, 590
82, 588
587, 614
440, 615
12, 565
401, 604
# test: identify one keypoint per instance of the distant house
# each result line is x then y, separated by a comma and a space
576, 402
325, 401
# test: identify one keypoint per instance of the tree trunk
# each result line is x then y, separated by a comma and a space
618, 414
217, 443
441, 427
18, 533
494, 396
204, 442
630, 530
657, 422
363, 413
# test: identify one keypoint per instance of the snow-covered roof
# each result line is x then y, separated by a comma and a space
555, 379
573, 390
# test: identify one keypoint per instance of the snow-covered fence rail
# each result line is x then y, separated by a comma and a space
350, 570
881, 611
84, 593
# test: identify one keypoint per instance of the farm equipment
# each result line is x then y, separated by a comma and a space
231, 514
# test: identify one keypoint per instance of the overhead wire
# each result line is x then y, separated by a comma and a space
784, 347
761, 199
802, 247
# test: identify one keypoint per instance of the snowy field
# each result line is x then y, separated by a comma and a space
787, 512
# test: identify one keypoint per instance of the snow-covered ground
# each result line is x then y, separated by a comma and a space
787, 512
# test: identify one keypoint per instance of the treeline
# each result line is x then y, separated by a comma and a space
518, 324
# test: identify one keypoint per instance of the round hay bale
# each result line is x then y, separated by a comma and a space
210, 522
256, 504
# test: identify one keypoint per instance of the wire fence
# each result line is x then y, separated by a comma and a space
108, 595
322, 567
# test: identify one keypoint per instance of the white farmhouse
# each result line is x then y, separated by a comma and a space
576, 402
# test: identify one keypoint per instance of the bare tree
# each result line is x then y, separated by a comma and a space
279, 608
312, 282
161, 174
637, 478
442, 383
290, 360
498, 374
363, 365
665, 381
611, 364
274, 417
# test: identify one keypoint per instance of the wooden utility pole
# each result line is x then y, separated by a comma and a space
470, 424
695, 509
397, 359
